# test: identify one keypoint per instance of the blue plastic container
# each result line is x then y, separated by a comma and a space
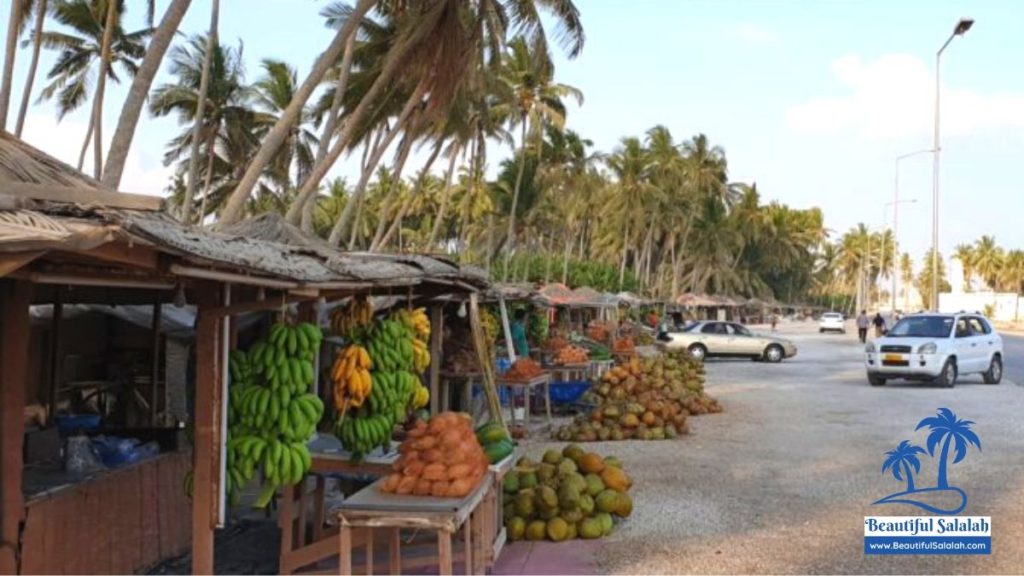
68, 423
568, 392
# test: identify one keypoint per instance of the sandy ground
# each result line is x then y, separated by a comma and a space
781, 481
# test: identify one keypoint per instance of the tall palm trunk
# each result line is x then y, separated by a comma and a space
445, 193
625, 253
393, 191
197, 123
37, 42
11, 48
85, 144
299, 208
211, 155
234, 208
139, 91
314, 179
510, 242
101, 85
417, 189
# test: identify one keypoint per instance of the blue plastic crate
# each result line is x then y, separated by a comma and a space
568, 392
68, 423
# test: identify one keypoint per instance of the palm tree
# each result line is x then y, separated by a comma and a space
19, 11
270, 97
73, 72
903, 461
906, 276
1012, 277
988, 260
965, 254
41, 8
533, 101
212, 40
947, 429
129, 118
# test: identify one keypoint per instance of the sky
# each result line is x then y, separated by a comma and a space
812, 100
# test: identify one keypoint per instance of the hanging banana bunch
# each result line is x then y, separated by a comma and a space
350, 376
357, 313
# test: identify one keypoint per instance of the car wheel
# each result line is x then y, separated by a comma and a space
774, 354
947, 377
995, 371
697, 351
875, 380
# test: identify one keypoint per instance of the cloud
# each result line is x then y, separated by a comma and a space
753, 34
894, 97
143, 174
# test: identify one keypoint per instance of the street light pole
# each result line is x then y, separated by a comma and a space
896, 218
961, 28
895, 244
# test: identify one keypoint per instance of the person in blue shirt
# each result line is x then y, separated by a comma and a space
518, 329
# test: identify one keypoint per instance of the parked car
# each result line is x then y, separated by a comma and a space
832, 322
727, 339
937, 348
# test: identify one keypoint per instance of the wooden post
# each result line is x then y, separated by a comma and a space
486, 362
436, 339
15, 297
55, 364
155, 374
205, 461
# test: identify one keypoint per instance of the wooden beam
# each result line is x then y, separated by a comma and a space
205, 466
436, 355
12, 261
155, 372
14, 342
124, 253
486, 362
271, 303
58, 313
81, 195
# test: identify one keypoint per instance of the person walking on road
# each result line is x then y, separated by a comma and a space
862, 326
879, 323
775, 322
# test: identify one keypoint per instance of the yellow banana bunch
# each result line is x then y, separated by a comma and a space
356, 314
420, 324
420, 397
420, 356
350, 376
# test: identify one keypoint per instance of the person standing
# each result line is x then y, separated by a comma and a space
518, 329
862, 326
775, 321
879, 323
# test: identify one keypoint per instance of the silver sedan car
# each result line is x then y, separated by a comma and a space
727, 339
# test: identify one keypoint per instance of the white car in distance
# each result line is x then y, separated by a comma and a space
832, 322
938, 348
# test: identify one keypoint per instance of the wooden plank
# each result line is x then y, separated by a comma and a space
12, 261
82, 195
203, 501
149, 515
122, 252
444, 552
33, 542
436, 334
14, 341
55, 355
395, 551
128, 555
154, 375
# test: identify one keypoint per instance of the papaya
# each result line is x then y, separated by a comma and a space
498, 451
591, 463
624, 505
607, 501
490, 433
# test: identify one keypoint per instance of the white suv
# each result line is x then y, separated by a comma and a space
938, 348
832, 322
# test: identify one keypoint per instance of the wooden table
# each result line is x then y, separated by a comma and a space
302, 544
370, 509
466, 380
528, 385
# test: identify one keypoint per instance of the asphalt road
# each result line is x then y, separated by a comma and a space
1013, 350
781, 481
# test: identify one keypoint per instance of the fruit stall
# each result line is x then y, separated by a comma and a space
65, 242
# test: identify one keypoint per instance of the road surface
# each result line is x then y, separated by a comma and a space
1013, 349
782, 480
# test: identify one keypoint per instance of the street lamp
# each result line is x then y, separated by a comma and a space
896, 215
895, 238
961, 28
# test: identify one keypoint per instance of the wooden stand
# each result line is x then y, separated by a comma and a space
527, 387
373, 509
569, 372
466, 381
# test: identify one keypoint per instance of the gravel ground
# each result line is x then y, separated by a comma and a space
781, 481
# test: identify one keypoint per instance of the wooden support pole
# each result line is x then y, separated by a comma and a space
14, 351
55, 364
486, 362
154, 400
205, 461
436, 339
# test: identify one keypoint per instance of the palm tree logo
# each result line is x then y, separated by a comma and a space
949, 431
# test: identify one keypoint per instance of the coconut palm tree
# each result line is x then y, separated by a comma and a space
82, 53
906, 277
988, 260
41, 8
965, 254
16, 20
903, 461
139, 90
1012, 277
271, 95
946, 429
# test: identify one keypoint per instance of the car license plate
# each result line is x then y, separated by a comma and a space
892, 358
